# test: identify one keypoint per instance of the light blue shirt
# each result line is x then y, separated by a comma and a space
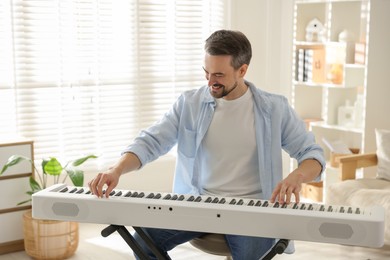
185, 124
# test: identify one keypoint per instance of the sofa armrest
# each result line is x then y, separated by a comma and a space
350, 163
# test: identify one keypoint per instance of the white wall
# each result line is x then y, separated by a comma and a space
268, 24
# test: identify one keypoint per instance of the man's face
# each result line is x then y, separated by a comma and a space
222, 77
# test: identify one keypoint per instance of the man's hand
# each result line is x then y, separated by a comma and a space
109, 178
128, 162
290, 185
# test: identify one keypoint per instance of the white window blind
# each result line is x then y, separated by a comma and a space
86, 76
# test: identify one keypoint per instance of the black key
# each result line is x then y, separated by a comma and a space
240, 202
208, 200
349, 210
295, 206
222, 201
215, 200
330, 209
119, 193
134, 195
284, 205
342, 210
167, 197
233, 202
64, 189
198, 199
322, 208
265, 204
303, 206
80, 191
258, 203
128, 194
276, 205
112, 193
158, 195
141, 195
73, 191
357, 211
88, 192
150, 195
251, 203
310, 207
181, 197
174, 197
191, 198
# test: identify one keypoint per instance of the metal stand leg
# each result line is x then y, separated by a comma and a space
278, 248
125, 234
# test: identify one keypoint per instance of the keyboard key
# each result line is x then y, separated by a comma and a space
64, 189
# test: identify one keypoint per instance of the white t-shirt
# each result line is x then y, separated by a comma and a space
228, 150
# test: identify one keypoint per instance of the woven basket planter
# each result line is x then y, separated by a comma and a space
49, 239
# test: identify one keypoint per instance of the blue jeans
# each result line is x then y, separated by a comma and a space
241, 247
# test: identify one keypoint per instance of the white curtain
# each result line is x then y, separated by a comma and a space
85, 76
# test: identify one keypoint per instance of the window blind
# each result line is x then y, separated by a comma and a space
86, 76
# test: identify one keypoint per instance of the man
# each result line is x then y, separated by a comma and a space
229, 137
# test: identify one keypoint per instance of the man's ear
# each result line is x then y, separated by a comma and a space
243, 69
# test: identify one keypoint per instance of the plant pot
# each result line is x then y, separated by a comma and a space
49, 239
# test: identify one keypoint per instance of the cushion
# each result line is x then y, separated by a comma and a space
383, 153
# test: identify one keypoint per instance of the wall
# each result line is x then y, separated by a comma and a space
268, 25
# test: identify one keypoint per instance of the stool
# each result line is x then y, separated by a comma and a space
214, 244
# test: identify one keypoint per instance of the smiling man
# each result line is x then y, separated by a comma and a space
230, 137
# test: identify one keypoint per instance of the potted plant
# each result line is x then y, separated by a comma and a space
49, 239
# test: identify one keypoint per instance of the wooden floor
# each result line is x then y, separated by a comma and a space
94, 247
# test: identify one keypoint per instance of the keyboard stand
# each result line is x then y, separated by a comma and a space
278, 248
125, 234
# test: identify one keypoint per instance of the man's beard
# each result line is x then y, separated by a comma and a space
224, 91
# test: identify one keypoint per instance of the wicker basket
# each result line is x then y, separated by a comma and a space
49, 239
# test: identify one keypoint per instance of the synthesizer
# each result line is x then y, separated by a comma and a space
250, 217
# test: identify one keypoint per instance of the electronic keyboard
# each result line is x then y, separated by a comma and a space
250, 217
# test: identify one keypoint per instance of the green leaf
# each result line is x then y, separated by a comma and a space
52, 167
34, 185
77, 177
13, 160
80, 161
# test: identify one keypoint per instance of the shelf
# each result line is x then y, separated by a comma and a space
321, 85
336, 127
314, 45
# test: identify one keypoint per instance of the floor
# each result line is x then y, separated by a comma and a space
94, 247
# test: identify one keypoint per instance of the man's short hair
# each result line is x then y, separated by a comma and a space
233, 43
